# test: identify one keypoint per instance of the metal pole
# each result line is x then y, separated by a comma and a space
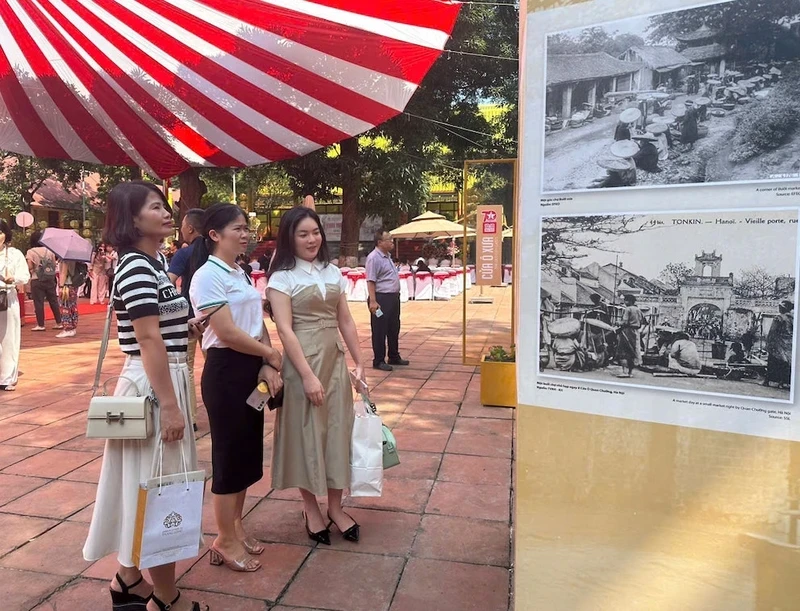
83, 196
234, 186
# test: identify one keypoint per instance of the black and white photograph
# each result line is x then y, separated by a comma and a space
693, 302
709, 94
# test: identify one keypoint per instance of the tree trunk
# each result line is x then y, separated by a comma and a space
135, 172
351, 186
192, 189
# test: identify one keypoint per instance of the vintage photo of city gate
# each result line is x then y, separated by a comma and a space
709, 94
695, 302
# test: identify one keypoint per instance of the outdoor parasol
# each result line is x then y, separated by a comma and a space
169, 84
67, 244
428, 225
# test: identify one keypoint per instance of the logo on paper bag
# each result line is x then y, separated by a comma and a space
173, 520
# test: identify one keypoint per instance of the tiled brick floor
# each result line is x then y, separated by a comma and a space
438, 539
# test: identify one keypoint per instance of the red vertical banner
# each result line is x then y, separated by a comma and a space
489, 246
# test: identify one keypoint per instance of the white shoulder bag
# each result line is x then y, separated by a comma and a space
120, 417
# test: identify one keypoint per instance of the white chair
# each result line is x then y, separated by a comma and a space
468, 276
507, 274
404, 293
423, 290
441, 288
360, 291
471, 272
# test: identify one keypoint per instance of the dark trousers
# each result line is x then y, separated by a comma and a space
386, 328
41, 290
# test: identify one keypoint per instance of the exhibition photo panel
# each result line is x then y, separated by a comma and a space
704, 94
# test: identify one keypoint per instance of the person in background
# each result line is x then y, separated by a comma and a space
68, 297
112, 260
422, 265
238, 356
689, 130
153, 329
383, 283
180, 269
647, 156
683, 355
14, 273
97, 272
313, 430
255, 264
628, 342
779, 346
44, 269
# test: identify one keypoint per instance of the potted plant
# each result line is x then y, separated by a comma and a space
499, 377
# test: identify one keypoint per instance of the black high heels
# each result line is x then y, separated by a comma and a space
323, 536
352, 533
126, 600
166, 607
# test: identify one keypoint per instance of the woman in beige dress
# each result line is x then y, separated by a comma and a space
313, 428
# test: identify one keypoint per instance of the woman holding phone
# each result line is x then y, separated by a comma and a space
238, 356
153, 333
313, 429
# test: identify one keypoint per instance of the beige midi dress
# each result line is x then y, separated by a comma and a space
311, 445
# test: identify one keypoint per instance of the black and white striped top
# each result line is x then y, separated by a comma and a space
144, 289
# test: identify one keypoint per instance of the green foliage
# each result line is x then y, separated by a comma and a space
751, 29
766, 125
675, 273
499, 354
593, 40
21, 177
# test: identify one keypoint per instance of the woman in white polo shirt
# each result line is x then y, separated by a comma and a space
238, 356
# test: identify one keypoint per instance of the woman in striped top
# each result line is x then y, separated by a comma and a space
153, 333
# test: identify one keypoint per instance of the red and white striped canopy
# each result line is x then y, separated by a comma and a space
168, 84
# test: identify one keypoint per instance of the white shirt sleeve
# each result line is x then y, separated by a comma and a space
343, 283
21, 273
283, 282
207, 290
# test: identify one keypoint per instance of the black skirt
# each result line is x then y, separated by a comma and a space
237, 430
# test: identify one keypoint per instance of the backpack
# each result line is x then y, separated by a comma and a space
46, 270
78, 277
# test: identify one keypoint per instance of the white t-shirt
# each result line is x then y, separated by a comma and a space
215, 284
292, 281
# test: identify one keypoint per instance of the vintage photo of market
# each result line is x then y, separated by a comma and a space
697, 302
702, 95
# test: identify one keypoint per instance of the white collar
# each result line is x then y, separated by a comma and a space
307, 266
220, 263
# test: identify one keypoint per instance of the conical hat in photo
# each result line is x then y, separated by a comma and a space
646, 136
630, 115
624, 148
702, 101
612, 163
678, 112
659, 128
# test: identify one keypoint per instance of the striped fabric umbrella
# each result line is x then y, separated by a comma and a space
168, 84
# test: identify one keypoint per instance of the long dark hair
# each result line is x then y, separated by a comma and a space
125, 201
216, 218
284, 258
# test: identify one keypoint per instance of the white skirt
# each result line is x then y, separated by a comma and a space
10, 334
127, 463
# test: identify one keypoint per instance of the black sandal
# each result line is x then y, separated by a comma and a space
166, 607
125, 600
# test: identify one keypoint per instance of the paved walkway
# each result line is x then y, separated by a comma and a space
438, 539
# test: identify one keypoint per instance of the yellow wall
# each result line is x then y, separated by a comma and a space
619, 515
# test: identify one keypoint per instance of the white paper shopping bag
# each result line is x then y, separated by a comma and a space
169, 518
366, 453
